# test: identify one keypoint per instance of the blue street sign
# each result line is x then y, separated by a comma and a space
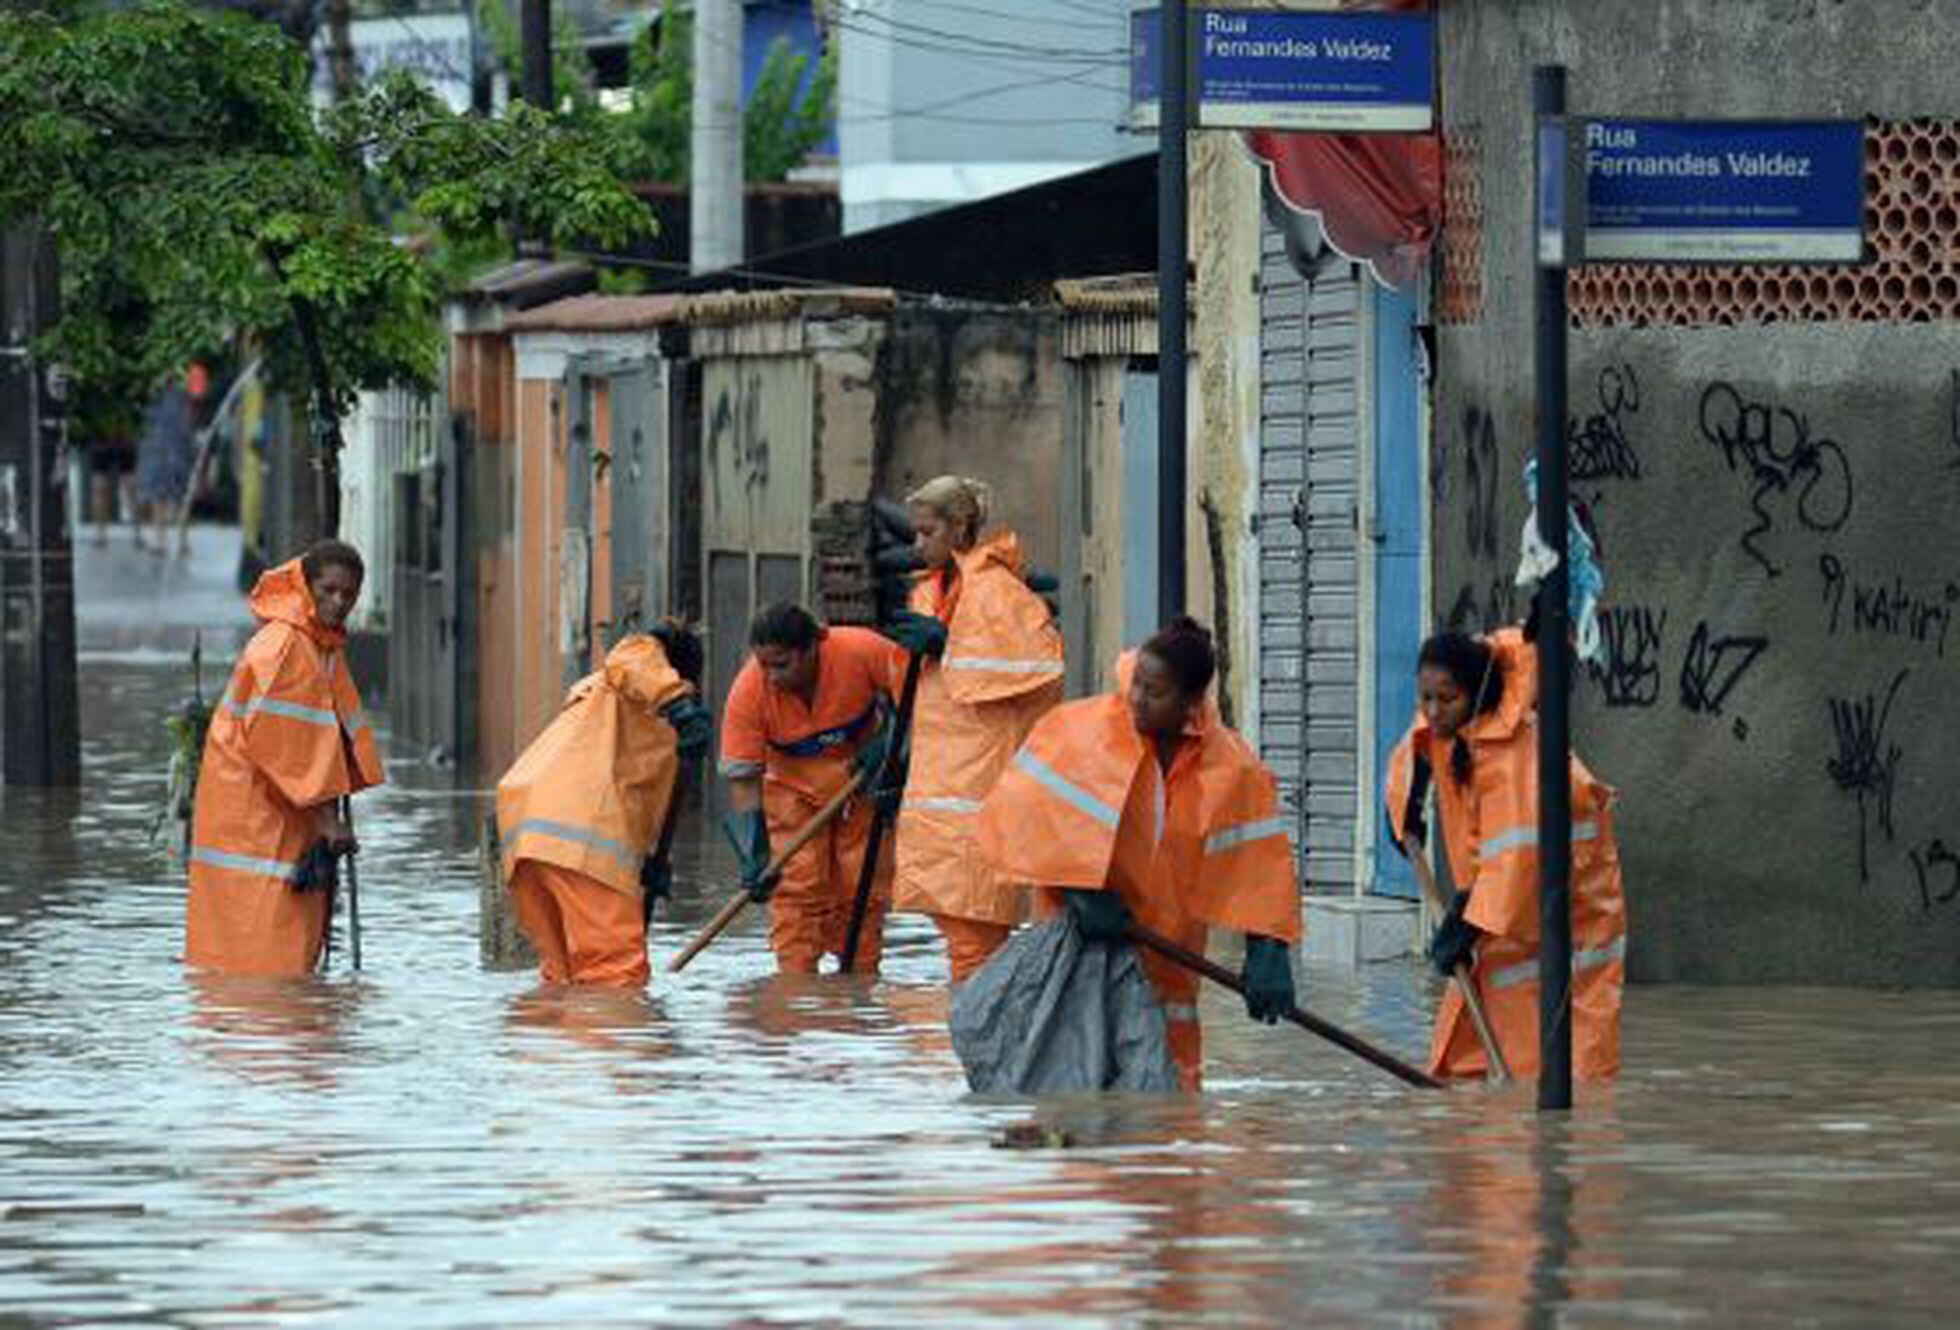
1724, 191
1284, 69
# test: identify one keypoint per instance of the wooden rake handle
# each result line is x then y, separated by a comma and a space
1500, 1070
1307, 1021
804, 835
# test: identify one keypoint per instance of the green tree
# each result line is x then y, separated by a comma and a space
783, 120
197, 198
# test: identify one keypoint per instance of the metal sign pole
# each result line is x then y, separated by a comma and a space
1561, 213
1173, 261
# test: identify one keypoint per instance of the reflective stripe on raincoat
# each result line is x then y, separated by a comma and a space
288, 736
1490, 835
1001, 670
591, 793
1084, 805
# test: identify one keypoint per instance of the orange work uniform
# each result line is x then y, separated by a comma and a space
803, 756
1490, 834
1001, 670
1086, 805
288, 737
578, 811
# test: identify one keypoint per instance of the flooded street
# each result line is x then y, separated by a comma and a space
433, 1144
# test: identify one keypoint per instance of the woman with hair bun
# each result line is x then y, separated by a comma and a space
1475, 739
993, 667
1141, 803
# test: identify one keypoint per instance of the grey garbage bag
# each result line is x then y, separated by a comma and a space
1052, 1014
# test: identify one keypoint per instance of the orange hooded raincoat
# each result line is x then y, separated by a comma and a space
1490, 835
579, 810
803, 756
1002, 669
287, 737
1085, 805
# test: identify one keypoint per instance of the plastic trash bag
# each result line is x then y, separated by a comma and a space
1052, 1014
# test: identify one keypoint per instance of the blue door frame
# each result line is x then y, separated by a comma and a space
1396, 542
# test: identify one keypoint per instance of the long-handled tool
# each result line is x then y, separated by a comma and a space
353, 890
1466, 984
1332, 1033
880, 819
804, 835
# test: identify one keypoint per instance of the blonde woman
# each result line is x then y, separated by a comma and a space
994, 667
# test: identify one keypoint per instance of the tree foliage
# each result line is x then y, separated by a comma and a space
789, 111
197, 197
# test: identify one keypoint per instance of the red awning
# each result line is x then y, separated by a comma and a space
1378, 197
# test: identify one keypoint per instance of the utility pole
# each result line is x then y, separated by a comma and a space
1558, 201
714, 207
534, 35
340, 48
1173, 263
39, 729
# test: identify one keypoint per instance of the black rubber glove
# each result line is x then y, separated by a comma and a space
1454, 938
749, 834
1046, 585
1099, 916
887, 794
319, 868
694, 727
1267, 976
868, 759
656, 883
656, 877
920, 634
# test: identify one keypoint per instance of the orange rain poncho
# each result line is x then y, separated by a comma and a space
1085, 805
578, 811
287, 738
803, 756
1490, 834
1001, 670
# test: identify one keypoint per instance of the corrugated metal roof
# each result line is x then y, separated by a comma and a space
597, 313
728, 307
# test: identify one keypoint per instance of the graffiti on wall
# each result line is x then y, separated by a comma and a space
1793, 472
1882, 608
1713, 667
1600, 446
1630, 674
1865, 764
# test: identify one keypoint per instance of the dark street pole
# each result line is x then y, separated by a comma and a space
1554, 629
1173, 261
534, 39
39, 723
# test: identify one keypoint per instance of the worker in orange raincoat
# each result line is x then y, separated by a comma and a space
805, 712
1475, 739
1140, 802
287, 741
996, 667
580, 811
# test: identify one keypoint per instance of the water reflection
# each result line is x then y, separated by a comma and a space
430, 1143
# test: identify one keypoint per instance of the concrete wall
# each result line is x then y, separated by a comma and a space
1775, 504
976, 393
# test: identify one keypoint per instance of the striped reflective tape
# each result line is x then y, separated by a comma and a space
943, 803
244, 863
272, 706
736, 769
1002, 665
1520, 837
1180, 1012
1266, 828
539, 826
1067, 790
1592, 958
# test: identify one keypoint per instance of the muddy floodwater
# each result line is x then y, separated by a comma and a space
433, 1144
